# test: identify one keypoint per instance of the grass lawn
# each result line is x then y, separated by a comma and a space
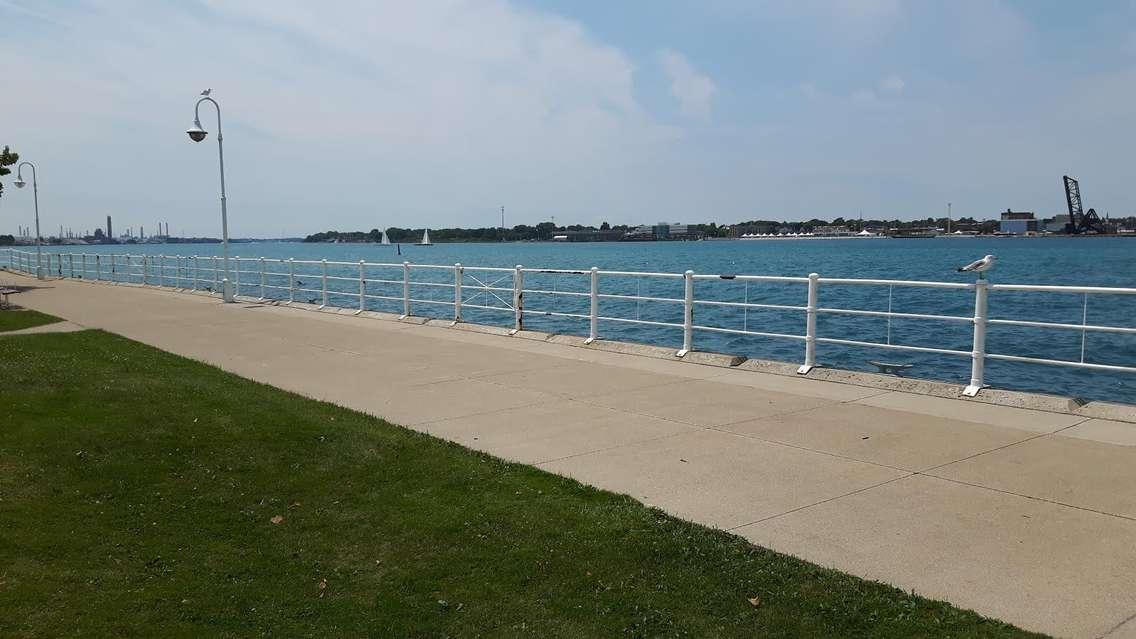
145, 494
16, 319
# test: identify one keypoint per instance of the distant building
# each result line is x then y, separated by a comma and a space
1057, 223
1017, 222
662, 231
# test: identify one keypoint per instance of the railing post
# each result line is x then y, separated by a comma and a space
291, 280
262, 278
518, 299
811, 326
362, 288
978, 351
83, 260
323, 277
458, 276
237, 276
594, 310
98, 268
687, 314
196, 272
405, 290
71, 264
215, 283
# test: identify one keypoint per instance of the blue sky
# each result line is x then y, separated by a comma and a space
362, 114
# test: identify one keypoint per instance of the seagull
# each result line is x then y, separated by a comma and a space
979, 266
207, 92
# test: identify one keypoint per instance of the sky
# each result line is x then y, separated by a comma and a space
362, 114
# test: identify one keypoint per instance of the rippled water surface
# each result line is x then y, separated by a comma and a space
1069, 261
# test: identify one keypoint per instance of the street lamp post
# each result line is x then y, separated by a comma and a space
20, 183
197, 134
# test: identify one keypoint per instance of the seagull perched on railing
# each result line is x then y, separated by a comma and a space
979, 266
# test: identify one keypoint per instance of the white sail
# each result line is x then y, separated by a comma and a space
386, 239
425, 237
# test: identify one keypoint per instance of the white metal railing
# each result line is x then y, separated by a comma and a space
408, 288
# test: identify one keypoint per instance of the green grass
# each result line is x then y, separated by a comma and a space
138, 488
16, 319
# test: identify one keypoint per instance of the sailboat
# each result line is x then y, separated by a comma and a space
426, 238
386, 239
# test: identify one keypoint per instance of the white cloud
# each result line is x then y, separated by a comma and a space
415, 112
694, 90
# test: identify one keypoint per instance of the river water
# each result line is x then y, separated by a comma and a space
1069, 261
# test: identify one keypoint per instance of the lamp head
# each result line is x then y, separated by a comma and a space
195, 132
20, 183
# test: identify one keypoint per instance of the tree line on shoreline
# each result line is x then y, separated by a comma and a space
545, 231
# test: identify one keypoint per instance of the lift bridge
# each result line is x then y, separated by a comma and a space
1080, 221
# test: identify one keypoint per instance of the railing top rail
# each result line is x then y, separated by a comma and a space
1036, 288
678, 276
752, 278
910, 283
1042, 288
558, 271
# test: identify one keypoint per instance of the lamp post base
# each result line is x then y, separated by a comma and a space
226, 290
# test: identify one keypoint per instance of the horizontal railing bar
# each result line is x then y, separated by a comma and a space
554, 314
673, 276
849, 311
782, 279
776, 307
897, 347
1076, 327
556, 271
488, 269
638, 321
736, 331
908, 283
478, 287
543, 292
1037, 288
638, 298
1059, 362
439, 302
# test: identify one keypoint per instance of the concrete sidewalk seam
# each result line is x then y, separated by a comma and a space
1030, 497
1119, 626
823, 501
927, 471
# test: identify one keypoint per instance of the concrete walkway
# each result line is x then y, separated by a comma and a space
1024, 515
